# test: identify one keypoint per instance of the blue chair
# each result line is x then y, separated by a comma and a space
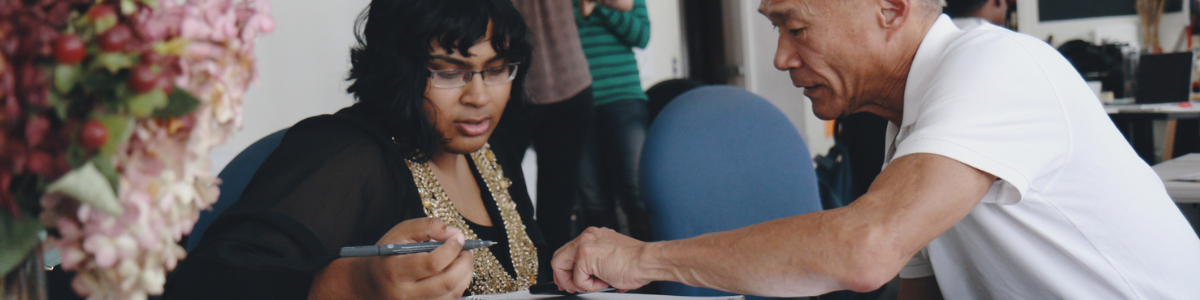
719, 158
234, 178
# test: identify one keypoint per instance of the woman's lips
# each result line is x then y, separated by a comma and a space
473, 128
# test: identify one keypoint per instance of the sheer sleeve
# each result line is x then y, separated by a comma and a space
329, 184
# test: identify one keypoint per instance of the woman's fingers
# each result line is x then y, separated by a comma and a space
418, 230
451, 283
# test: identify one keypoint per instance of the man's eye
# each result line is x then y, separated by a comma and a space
795, 32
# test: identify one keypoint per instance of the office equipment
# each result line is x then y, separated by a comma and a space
1164, 77
401, 249
1134, 122
725, 156
1178, 177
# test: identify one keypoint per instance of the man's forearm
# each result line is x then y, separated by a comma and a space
766, 259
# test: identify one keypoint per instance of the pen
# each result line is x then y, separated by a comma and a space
550, 288
400, 249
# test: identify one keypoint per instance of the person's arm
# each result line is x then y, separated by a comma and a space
858, 247
630, 27
620, 5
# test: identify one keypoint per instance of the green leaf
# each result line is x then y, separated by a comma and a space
118, 132
97, 82
144, 104
104, 165
113, 62
151, 3
65, 77
61, 106
88, 185
103, 24
128, 7
18, 235
180, 103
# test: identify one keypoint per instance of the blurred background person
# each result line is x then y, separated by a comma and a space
967, 13
557, 121
608, 31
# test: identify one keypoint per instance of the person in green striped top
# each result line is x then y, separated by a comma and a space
608, 31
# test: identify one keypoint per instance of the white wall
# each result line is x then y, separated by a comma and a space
301, 70
663, 57
1171, 26
754, 42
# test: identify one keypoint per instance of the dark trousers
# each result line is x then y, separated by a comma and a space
557, 132
610, 167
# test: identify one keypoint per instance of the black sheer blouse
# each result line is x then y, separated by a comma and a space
334, 181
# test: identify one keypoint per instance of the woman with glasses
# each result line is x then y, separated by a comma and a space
417, 158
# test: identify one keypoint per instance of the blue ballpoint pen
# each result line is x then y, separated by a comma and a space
400, 249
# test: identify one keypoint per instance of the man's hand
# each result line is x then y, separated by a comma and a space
597, 259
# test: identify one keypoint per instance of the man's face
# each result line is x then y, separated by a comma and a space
824, 45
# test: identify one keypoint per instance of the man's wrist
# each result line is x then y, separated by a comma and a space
651, 262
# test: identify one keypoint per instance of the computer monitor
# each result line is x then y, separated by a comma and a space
1164, 78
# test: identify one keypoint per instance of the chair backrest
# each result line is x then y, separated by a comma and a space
719, 158
234, 178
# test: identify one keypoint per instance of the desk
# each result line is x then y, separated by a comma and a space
1134, 121
1180, 191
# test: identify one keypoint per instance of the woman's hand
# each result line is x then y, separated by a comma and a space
586, 7
444, 273
620, 5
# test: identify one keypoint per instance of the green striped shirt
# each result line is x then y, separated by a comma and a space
608, 37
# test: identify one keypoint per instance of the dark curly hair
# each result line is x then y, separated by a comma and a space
963, 8
389, 66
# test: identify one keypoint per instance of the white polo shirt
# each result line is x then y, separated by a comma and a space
1075, 213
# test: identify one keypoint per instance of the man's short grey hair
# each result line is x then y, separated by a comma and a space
933, 7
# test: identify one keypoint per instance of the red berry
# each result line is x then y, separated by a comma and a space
151, 57
93, 135
102, 11
143, 79
116, 38
41, 163
68, 49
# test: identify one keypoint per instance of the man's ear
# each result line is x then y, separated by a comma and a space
894, 13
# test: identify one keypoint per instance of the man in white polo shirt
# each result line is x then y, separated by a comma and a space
1005, 178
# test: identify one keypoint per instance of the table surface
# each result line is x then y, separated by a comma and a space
1157, 108
1180, 191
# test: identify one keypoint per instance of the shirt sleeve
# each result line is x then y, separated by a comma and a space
1000, 116
315, 194
630, 27
918, 266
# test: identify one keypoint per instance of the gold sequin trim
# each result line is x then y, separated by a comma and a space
489, 276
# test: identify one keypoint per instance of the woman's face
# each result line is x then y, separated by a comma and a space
466, 116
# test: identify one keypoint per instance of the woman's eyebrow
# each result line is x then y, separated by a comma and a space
463, 63
452, 60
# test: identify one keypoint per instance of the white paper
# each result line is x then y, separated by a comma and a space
524, 294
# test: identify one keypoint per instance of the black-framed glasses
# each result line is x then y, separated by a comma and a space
460, 78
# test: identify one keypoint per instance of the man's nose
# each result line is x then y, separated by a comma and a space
785, 55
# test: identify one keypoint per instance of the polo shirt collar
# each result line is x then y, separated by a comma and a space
924, 64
